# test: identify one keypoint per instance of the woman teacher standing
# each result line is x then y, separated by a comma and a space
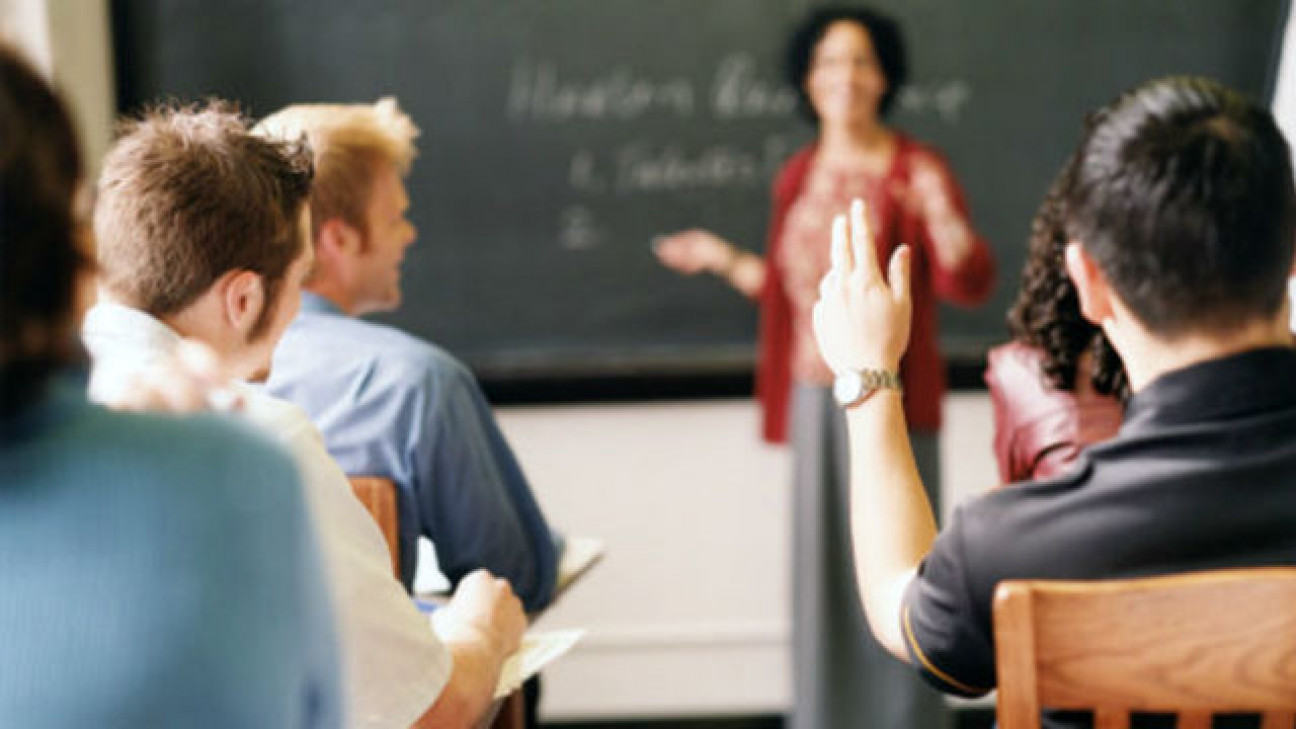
848, 65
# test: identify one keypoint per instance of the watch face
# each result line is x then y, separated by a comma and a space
848, 387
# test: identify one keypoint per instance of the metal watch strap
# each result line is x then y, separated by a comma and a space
868, 381
879, 379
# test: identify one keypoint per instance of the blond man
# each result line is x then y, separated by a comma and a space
390, 404
203, 233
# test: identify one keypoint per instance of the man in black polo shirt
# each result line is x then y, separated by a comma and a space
1180, 209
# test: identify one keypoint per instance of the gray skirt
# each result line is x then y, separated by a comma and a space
841, 676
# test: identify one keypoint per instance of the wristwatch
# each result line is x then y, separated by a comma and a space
852, 387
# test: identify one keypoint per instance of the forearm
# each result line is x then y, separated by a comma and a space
963, 269
964, 274
953, 240
470, 692
891, 518
746, 274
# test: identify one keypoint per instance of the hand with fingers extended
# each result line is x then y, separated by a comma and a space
695, 251
862, 320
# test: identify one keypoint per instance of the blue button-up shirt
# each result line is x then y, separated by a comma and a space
394, 406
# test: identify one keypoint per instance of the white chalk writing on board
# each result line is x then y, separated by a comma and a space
578, 230
541, 92
943, 98
538, 92
738, 90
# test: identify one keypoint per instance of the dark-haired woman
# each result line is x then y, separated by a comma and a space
1056, 386
848, 64
158, 570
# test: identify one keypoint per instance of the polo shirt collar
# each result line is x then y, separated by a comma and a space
1255, 381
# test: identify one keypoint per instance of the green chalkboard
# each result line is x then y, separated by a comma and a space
561, 136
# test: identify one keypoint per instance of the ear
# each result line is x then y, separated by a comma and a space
336, 238
242, 297
1090, 282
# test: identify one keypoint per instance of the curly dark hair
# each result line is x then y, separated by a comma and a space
1046, 314
888, 44
40, 174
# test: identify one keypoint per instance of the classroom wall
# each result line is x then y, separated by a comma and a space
1284, 111
689, 612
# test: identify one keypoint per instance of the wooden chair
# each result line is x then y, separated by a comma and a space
378, 495
1193, 644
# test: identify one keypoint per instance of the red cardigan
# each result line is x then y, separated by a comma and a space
922, 368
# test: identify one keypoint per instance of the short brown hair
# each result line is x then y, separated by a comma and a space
187, 194
349, 141
40, 174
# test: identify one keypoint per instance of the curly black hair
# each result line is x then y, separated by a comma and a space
1046, 314
888, 44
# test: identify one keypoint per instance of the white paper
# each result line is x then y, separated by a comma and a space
537, 651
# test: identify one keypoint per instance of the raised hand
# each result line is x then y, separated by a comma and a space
861, 320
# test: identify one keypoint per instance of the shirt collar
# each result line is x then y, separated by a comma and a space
1259, 380
315, 304
110, 328
123, 342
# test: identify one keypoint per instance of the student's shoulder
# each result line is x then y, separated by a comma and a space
1018, 385
181, 450
282, 421
409, 358
1005, 533
978, 516
384, 344
191, 434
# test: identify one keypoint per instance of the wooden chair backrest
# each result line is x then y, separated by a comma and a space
379, 496
1192, 644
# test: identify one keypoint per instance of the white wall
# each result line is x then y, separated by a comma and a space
1284, 111
69, 41
689, 612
